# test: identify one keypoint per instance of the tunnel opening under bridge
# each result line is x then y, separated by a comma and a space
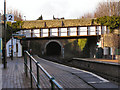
53, 49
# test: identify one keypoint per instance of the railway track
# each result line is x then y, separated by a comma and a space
61, 61
92, 80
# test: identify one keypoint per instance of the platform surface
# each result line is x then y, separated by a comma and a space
68, 77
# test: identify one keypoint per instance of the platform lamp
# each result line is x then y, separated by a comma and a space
4, 42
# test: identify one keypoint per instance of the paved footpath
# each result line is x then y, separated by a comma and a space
68, 77
14, 76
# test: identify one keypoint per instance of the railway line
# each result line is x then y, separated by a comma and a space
70, 77
69, 61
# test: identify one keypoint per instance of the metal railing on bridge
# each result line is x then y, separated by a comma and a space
68, 32
27, 68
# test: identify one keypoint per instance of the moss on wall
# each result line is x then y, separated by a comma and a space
75, 47
82, 43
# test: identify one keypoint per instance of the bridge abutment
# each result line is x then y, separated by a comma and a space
64, 48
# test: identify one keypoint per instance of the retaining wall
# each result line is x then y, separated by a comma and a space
108, 70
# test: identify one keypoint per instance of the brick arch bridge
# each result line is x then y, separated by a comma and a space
65, 48
64, 34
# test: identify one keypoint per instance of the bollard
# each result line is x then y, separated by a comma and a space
52, 84
31, 72
26, 66
38, 82
25, 63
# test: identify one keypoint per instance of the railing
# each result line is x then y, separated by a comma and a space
69, 31
27, 68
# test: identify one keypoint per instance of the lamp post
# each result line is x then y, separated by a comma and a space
4, 43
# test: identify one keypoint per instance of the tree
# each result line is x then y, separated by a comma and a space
107, 9
13, 27
17, 15
119, 8
88, 15
111, 40
40, 18
113, 22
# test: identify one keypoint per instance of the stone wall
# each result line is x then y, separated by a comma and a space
71, 47
107, 70
57, 23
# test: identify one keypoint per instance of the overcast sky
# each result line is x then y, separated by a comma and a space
69, 9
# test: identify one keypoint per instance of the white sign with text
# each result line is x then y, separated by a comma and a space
10, 17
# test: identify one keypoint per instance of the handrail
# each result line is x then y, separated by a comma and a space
29, 68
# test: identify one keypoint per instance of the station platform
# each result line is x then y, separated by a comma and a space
109, 61
68, 77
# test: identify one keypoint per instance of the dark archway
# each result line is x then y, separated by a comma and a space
53, 49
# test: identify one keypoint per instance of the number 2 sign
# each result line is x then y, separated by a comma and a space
10, 17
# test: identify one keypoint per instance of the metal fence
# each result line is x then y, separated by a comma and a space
28, 67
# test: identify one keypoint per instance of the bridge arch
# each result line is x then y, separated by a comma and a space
53, 47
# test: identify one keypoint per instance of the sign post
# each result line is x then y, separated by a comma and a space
10, 17
4, 43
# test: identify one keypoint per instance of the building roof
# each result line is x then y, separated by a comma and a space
57, 23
